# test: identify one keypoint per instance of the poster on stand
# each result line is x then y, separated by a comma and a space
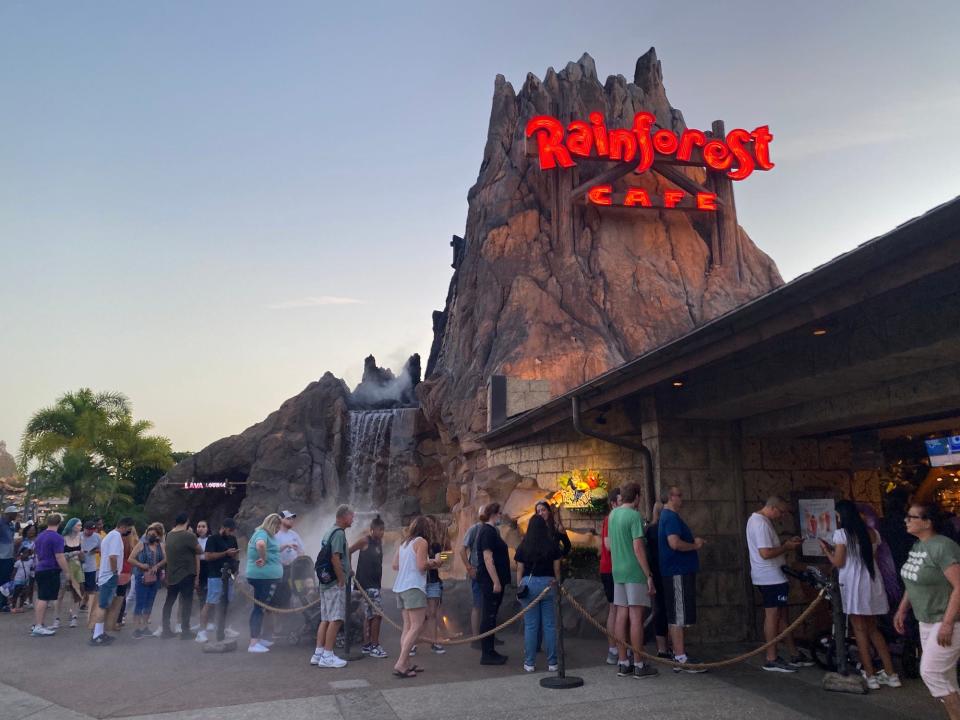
817, 520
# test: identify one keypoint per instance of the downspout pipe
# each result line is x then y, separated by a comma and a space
648, 486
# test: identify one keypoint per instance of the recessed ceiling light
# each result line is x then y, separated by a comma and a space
820, 331
678, 383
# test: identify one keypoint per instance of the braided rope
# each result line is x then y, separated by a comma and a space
696, 666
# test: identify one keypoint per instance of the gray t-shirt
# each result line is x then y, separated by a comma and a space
470, 541
90, 545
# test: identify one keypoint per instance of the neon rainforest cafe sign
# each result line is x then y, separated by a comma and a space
737, 155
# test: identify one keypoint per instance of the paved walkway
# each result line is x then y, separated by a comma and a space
61, 678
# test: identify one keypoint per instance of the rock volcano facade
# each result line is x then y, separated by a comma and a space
533, 299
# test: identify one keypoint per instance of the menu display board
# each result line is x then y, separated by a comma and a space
818, 520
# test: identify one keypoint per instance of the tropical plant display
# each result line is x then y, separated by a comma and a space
88, 448
581, 490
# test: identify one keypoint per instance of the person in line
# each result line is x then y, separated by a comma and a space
118, 608
632, 579
111, 564
147, 559
51, 562
71, 582
264, 572
90, 546
679, 564
931, 575
291, 547
651, 536
493, 575
555, 525
468, 556
854, 554
8, 529
222, 551
411, 563
27, 540
438, 543
606, 575
203, 533
23, 571
538, 566
767, 558
370, 577
333, 592
183, 575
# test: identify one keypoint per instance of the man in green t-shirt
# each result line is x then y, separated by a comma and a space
632, 579
183, 573
333, 594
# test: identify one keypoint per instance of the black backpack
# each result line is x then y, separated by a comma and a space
324, 564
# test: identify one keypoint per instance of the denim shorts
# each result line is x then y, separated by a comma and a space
477, 593
434, 591
107, 592
215, 590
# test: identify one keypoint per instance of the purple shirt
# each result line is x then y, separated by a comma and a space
45, 548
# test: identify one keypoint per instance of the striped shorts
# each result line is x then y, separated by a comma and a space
680, 599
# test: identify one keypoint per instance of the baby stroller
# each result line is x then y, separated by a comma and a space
304, 590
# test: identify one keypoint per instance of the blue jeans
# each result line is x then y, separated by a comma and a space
146, 594
263, 590
542, 617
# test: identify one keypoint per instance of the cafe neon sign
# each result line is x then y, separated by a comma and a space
737, 155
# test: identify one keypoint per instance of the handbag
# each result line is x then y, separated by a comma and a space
149, 577
524, 590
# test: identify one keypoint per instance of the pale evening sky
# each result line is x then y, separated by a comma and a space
205, 205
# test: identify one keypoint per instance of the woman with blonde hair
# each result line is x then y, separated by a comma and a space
147, 559
264, 572
411, 564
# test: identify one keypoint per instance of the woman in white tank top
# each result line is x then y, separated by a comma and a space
411, 563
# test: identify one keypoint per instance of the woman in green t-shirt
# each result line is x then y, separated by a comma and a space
264, 572
931, 575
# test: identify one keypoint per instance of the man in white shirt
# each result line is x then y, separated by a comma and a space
767, 558
111, 562
291, 547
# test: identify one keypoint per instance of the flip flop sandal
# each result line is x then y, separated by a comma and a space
416, 668
411, 673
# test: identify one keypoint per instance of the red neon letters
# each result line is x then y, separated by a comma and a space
740, 153
634, 197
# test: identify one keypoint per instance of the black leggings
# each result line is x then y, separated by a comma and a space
183, 589
488, 616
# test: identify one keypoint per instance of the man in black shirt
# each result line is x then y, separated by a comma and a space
493, 573
369, 577
222, 550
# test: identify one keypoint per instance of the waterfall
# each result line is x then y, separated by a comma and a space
380, 449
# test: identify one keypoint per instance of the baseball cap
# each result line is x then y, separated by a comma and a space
11, 509
229, 524
286, 514
89, 524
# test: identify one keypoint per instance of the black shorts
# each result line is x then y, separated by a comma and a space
774, 596
607, 580
90, 581
48, 584
680, 599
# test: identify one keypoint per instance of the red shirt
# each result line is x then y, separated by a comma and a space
606, 562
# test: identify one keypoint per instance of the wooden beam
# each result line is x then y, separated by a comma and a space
682, 181
729, 233
607, 176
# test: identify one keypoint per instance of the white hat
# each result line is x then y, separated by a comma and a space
12, 509
286, 514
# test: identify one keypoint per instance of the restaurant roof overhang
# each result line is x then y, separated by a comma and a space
718, 361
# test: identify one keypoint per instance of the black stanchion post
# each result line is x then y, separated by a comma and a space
561, 681
224, 602
348, 652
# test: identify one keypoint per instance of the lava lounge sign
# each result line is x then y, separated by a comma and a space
644, 146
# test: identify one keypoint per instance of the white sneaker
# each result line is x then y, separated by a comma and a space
888, 680
73, 621
266, 643
195, 628
230, 633
413, 651
529, 668
330, 660
377, 651
257, 648
316, 658
56, 624
202, 636
552, 668
41, 631
871, 681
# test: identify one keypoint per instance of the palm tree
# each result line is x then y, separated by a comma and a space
125, 448
71, 473
78, 420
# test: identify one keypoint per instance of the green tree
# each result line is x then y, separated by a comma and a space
88, 447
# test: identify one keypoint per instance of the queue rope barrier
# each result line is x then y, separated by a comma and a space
638, 652
457, 641
270, 608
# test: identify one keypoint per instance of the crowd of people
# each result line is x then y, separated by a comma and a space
644, 567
